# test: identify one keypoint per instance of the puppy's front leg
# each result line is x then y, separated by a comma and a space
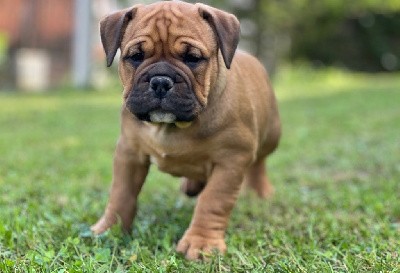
214, 205
129, 172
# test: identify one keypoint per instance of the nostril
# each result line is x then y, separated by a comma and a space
161, 85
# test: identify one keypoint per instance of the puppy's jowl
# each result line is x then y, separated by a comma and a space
195, 107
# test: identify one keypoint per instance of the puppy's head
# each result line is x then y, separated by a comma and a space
169, 56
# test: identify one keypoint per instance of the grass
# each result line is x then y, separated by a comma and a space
336, 175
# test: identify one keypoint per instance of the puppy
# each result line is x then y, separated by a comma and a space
195, 107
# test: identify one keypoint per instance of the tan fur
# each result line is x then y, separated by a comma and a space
227, 142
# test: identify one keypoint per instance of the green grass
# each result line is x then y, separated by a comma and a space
336, 175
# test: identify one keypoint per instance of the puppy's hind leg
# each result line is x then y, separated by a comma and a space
190, 187
256, 178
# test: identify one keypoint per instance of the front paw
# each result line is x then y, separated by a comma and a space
103, 224
196, 247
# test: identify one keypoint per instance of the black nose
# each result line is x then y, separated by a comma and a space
161, 85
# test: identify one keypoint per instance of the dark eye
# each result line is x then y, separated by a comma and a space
136, 59
192, 60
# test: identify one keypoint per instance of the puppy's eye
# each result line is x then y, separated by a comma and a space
135, 59
192, 60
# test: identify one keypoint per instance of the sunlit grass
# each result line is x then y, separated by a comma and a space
336, 174
304, 81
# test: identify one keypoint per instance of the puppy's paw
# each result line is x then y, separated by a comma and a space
103, 224
197, 247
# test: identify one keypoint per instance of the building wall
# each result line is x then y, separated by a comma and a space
40, 24
43, 21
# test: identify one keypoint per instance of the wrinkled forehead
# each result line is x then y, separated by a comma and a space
170, 23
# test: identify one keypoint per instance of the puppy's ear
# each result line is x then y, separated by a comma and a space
112, 29
226, 27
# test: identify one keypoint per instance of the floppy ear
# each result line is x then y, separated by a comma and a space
226, 27
112, 29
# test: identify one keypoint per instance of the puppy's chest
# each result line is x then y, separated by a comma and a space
182, 166
178, 157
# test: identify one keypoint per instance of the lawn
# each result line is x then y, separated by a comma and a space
336, 175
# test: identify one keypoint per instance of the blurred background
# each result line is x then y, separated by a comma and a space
335, 69
47, 44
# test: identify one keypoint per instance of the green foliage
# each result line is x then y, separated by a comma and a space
360, 35
336, 173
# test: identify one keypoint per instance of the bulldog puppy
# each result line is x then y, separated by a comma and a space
195, 107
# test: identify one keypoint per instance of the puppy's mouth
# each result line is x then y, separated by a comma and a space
171, 109
159, 116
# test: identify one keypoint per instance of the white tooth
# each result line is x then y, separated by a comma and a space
161, 116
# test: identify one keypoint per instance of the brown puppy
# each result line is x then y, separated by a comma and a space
192, 107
